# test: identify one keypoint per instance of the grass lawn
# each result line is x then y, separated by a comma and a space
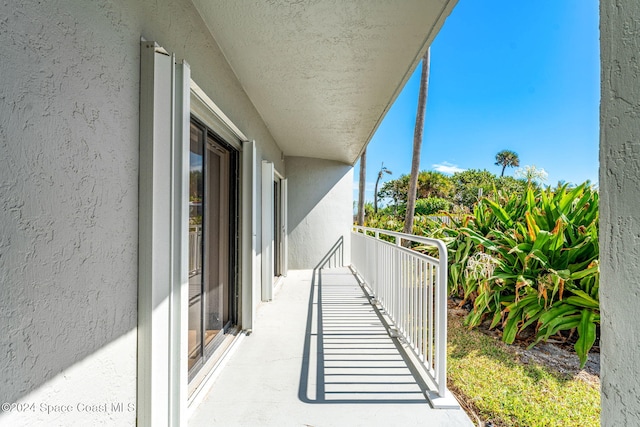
487, 377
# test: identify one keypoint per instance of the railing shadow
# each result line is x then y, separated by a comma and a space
348, 356
334, 257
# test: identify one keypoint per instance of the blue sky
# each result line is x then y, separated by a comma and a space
516, 75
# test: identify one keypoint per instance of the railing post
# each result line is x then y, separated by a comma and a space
374, 268
397, 275
441, 307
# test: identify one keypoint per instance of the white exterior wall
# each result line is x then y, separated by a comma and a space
69, 101
320, 210
620, 212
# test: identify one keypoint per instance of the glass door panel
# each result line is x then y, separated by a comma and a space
212, 244
276, 229
216, 313
196, 199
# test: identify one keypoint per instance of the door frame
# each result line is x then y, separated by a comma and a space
269, 207
280, 228
168, 98
227, 200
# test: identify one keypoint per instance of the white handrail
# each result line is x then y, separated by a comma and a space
412, 289
195, 250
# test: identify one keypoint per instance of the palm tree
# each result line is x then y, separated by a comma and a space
417, 144
361, 186
507, 158
383, 170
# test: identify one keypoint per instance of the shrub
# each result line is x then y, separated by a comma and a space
431, 205
540, 269
526, 261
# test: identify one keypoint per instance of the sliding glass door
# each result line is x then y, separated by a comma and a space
213, 205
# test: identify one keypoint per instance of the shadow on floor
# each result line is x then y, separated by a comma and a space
348, 355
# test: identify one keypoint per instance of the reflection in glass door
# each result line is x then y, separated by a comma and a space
196, 199
212, 249
276, 232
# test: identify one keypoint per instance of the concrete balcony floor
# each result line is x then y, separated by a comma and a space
320, 356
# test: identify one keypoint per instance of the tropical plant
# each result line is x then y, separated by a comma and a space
368, 210
511, 185
507, 158
426, 206
471, 185
434, 184
526, 262
431, 205
430, 184
540, 265
532, 174
462, 189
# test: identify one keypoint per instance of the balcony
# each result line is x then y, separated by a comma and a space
328, 352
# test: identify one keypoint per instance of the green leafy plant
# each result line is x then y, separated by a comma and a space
547, 276
526, 261
431, 205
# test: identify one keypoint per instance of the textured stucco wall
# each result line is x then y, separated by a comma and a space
69, 99
620, 211
320, 210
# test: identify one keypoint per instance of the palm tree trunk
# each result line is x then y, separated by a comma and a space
504, 166
361, 187
375, 193
417, 145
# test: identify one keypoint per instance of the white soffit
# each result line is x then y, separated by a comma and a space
322, 74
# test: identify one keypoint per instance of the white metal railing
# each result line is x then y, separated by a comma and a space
412, 289
195, 250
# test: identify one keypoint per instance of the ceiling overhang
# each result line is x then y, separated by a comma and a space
322, 74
